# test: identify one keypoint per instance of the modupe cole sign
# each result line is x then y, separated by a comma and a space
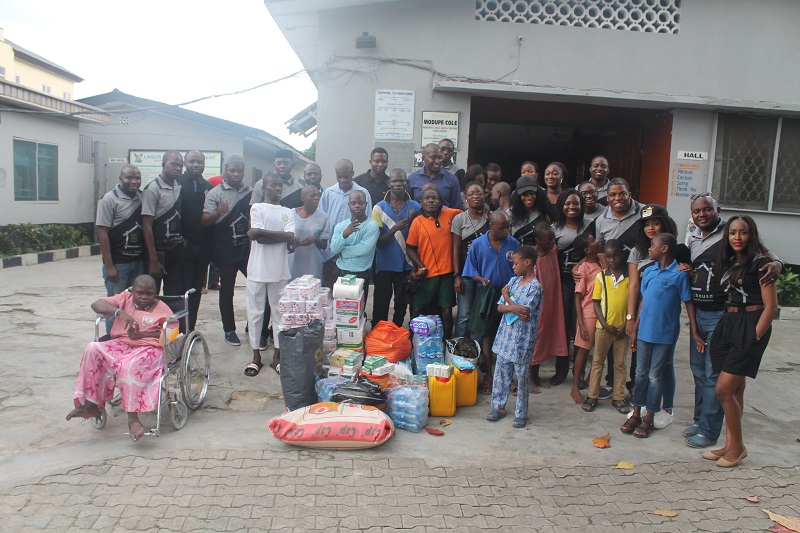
438, 125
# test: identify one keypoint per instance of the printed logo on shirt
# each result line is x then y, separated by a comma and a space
148, 321
508, 255
285, 217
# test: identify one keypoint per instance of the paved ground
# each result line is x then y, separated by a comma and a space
224, 472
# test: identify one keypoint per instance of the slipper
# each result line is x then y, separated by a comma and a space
495, 415
644, 430
630, 425
252, 369
621, 406
589, 404
486, 385
276, 368
514, 390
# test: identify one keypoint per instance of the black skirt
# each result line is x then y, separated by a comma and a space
734, 349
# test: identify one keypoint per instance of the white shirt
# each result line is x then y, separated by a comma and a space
269, 262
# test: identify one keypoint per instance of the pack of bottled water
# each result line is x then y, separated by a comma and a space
429, 348
324, 387
407, 406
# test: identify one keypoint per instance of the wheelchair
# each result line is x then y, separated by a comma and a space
184, 381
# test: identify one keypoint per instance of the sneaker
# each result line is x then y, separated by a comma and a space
519, 422
662, 419
699, 440
642, 414
605, 393
263, 344
232, 338
691, 431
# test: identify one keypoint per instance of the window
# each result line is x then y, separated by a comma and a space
46, 89
3, 72
757, 163
85, 149
257, 174
35, 171
17, 79
66, 95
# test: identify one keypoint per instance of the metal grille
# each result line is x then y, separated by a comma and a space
787, 173
652, 16
85, 149
743, 164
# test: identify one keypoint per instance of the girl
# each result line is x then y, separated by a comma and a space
569, 223
528, 208
591, 208
554, 176
742, 335
467, 226
554, 341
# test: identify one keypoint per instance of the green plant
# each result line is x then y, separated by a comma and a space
789, 289
18, 239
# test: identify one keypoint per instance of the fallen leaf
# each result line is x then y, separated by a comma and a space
432, 431
790, 522
780, 529
625, 465
752, 499
445, 422
669, 513
602, 442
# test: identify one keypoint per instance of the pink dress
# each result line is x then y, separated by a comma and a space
585, 287
552, 338
135, 366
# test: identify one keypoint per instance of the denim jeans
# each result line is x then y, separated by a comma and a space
651, 361
126, 273
708, 412
464, 301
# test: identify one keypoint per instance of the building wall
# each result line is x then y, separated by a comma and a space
75, 203
34, 78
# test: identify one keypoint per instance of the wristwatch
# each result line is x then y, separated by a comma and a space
629, 317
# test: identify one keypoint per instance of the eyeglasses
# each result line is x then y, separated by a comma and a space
475, 195
701, 195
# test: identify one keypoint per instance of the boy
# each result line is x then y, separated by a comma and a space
657, 327
513, 346
353, 241
610, 300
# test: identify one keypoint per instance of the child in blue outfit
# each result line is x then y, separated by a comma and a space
513, 346
656, 330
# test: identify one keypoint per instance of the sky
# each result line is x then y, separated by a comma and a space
172, 51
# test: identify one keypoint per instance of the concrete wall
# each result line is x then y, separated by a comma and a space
75, 203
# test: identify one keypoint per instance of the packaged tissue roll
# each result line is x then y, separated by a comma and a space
298, 306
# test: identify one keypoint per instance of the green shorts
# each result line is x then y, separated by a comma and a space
437, 290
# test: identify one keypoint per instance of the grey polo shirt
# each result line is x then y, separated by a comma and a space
159, 197
116, 207
224, 194
608, 226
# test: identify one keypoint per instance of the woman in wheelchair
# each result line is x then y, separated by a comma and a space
133, 358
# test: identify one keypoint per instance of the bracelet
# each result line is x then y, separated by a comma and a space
117, 312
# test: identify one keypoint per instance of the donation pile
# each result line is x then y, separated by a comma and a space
303, 301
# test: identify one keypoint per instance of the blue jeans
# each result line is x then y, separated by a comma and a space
126, 273
464, 301
651, 361
708, 412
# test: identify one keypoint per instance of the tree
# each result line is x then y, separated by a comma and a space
311, 151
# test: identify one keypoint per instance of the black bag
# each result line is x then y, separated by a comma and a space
359, 391
301, 361
484, 317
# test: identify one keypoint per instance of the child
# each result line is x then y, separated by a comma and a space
554, 343
513, 345
742, 335
610, 300
656, 330
587, 250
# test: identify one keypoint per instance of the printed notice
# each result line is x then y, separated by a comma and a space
394, 115
438, 125
683, 179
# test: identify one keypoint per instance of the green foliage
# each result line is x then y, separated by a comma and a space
311, 151
16, 239
789, 289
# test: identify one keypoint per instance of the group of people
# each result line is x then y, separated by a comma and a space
532, 269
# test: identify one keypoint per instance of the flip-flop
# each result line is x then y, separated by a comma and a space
252, 369
276, 368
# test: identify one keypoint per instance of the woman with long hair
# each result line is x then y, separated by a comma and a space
528, 208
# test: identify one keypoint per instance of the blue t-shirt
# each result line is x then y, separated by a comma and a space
391, 257
484, 261
662, 294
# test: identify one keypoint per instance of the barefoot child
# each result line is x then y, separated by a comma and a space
516, 337
610, 300
587, 249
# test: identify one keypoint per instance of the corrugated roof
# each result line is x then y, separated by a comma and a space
29, 57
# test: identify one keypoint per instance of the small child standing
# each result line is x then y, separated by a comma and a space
516, 337
610, 300
656, 330
587, 250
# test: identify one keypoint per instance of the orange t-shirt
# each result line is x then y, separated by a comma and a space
434, 244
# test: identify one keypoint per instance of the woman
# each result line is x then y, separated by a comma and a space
467, 227
591, 207
529, 168
570, 222
132, 360
554, 175
528, 208
742, 335
474, 173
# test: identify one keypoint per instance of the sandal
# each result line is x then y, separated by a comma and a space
252, 369
644, 430
621, 406
630, 425
276, 367
486, 385
589, 404
514, 389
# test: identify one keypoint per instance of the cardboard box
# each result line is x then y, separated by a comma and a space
339, 357
348, 335
348, 313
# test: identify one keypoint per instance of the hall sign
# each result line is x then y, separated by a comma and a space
694, 156
438, 125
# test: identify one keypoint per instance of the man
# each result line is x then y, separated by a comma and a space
161, 224
272, 233
227, 210
709, 300
335, 202
598, 176
393, 216
354, 240
119, 231
283, 163
197, 254
494, 175
430, 247
501, 198
375, 180
310, 235
447, 148
619, 220
313, 176
432, 172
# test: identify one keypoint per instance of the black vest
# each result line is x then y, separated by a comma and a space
231, 243
127, 239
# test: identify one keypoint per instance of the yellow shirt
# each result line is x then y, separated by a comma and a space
614, 299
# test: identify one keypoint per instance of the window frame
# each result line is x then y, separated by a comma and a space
37, 169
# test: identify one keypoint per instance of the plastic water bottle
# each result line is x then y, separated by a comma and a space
408, 407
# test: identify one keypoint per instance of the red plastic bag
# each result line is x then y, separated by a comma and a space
389, 340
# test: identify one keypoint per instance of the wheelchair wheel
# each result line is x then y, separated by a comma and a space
99, 420
194, 372
179, 414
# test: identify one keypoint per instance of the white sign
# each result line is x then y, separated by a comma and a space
438, 125
694, 156
394, 115
149, 163
117, 160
